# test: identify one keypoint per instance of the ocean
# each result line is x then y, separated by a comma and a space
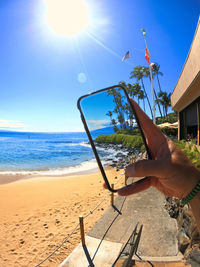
46, 153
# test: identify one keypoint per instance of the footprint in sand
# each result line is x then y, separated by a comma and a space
49, 235
22, 241
56, 210
45, 226
57, 221
51, 245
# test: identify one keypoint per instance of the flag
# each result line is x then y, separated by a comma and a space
147, 55
127, 55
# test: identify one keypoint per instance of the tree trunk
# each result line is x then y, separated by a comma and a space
156, 99
147, 98
143, 104
158, 103
158, 83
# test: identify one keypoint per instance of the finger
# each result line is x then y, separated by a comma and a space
153, 134
135, 187
158, 168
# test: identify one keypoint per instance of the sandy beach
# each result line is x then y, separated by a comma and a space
37, 214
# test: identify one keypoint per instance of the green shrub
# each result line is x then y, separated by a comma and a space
171, 117
190, 150
126, 140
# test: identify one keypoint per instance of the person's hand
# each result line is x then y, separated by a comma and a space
170, 171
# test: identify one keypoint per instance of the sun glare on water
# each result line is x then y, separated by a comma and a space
67, 17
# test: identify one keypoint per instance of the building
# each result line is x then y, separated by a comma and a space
185, 98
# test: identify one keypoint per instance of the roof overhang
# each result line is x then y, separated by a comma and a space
187, 88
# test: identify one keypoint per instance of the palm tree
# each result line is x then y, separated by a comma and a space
136, 91
156, 72
138, 74
147, 74
114, 123
128, 87
109, 114
122, 83
142, 97
164, 99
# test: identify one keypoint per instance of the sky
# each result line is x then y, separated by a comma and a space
43, 73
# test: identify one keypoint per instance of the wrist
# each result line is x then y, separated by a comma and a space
195, 200
193, 194
195, 207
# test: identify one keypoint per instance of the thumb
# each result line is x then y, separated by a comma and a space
136, 187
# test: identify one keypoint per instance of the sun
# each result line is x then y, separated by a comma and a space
67, 17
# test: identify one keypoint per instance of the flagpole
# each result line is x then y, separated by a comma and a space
151, 78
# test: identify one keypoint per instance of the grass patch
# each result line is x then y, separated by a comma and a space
190, 150
124, 139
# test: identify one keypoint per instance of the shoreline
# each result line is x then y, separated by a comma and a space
13, 178
119, 159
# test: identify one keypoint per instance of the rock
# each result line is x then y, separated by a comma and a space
195, 256
113, 165
188, 236
119, 155
184, 241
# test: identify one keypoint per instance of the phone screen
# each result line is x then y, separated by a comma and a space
113, 130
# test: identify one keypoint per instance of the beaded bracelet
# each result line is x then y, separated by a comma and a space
191, 195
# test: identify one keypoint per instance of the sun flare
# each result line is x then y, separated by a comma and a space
67, 17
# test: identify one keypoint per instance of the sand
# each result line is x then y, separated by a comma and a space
37, 214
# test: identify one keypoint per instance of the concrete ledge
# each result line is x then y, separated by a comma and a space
106, 255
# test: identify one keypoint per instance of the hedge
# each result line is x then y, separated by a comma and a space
126, 140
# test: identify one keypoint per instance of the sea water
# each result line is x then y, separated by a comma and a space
45, 153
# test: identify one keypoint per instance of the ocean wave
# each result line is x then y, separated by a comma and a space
58, 142
86, 144
5, 138
83, 167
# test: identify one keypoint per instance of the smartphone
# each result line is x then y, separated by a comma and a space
107, 115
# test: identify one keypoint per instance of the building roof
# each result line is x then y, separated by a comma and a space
187, 88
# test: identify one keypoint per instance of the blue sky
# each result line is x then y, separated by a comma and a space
43, 74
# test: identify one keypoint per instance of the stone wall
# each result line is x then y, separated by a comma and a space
188, 235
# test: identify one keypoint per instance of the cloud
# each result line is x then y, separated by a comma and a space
98, 124
9, 124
